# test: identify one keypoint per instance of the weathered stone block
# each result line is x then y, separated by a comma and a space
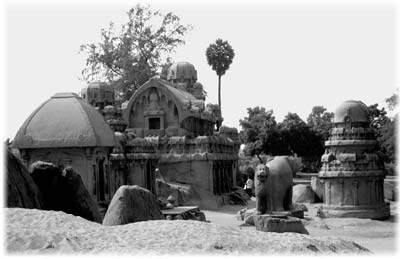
303, 193
268, 223
317, 187
132, 204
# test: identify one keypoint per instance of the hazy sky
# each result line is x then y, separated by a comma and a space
287, 57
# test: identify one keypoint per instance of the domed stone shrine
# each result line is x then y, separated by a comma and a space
67, 131
352, 173
164, 125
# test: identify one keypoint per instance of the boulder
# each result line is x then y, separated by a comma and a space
238, 196
200, 216
47, 178
132, 204
303, 193
22, 192
317, 187
64, 191
268, 223
240, 214
75, 198
248, 216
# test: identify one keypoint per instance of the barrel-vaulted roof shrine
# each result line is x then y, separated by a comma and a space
164, 125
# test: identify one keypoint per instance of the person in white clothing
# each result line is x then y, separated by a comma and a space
249, 186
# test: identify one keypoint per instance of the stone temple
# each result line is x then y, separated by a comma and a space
164, 125
352, 172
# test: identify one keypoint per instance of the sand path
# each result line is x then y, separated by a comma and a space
379, 237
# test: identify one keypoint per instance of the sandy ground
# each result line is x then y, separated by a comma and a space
31, 231
380, 237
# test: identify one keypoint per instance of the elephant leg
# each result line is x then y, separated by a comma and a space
287, 201
261, 206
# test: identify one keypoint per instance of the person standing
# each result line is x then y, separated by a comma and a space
249, 186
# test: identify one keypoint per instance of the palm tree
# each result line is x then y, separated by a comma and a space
219, 56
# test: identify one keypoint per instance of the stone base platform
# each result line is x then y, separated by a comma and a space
380, 212
184, 213
279, 223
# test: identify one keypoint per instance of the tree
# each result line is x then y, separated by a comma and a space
377, 116
219, 56
262, 135
385, 127
320, 121
259, 131
129, 58
301, 140
392, 101
387, 139
292, 121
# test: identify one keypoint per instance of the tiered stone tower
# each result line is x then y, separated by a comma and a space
352, 173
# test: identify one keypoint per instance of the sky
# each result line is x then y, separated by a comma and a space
289, 56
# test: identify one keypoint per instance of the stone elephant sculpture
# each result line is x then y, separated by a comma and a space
274, 184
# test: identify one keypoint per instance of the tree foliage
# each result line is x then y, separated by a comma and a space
128, 58
320, 120
392, 101
263, 135
385, 127
377, 116
299, 138
258, 131
220, 56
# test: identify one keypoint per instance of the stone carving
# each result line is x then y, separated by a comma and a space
261, 188
162, 109
353, 177
274, 185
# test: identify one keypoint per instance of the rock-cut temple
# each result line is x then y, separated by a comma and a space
164, 125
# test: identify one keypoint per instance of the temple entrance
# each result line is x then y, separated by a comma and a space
222, 177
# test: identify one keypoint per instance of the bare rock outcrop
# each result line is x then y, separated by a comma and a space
22, 192
132, 204
64, 190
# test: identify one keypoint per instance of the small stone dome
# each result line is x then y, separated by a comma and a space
351, 111
65, 120
182, 70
